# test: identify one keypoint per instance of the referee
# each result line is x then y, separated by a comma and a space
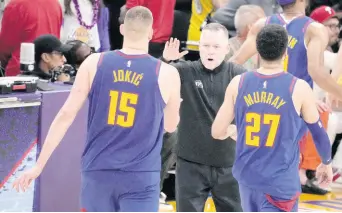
204, 164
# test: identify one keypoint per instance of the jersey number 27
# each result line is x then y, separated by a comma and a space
123, 103
253, 129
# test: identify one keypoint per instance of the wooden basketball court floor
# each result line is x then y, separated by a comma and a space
331, 202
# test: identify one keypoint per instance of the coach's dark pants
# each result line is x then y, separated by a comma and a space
195, 181
167, 155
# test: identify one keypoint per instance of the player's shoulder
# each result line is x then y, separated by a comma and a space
236, 80
315, 28
168, 71
301, 86
94, 58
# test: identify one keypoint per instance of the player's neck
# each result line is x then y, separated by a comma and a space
293, 12
134, 47
270, 68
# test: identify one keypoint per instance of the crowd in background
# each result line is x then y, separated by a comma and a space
68, 31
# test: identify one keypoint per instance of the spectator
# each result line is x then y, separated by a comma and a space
24, 21
327, 16
201, 9
87, 21
163, 14
48, 56
245, 17
115, 36
226, 14
77, 51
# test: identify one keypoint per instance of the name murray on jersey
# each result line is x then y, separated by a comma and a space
265, 98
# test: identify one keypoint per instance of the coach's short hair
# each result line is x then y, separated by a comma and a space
272, 42
216, 27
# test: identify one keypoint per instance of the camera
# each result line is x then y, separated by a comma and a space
65, 69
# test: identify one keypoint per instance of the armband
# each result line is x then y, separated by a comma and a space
321, 140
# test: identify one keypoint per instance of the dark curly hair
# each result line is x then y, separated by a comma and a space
272, 42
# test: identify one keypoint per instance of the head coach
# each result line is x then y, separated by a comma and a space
204, 164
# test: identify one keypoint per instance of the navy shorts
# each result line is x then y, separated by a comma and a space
112, 191
256, 201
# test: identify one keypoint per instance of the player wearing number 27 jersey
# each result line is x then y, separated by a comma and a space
268, 103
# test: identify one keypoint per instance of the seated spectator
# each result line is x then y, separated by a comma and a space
24, 21
77, 52
48, 57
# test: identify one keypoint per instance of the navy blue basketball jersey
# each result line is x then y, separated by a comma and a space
267, 149
295, 61
125, 118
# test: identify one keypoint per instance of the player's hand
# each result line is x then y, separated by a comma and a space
23, 182
171, 50
232, 132
322, 107
332, 101
324, 175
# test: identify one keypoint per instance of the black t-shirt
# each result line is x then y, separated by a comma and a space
203, 93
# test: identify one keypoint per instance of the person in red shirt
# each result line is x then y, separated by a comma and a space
163, 14
24, 21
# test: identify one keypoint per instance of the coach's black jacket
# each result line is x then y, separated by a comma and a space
203, 93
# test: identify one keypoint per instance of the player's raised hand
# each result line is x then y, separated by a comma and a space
322, 107
171, 50
332, 101
24, 181
324, 175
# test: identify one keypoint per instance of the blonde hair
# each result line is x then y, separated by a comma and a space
138, 22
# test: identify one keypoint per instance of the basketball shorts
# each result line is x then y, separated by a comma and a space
256, 201
112, 191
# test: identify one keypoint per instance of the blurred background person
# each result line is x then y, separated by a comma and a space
201, 14
87, 21
24, 21
76, 52
245, 17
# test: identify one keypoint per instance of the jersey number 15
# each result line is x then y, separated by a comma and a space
252, 130
126, 103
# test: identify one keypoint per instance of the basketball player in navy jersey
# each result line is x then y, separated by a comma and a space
269, 106
307, 42
133, 97
305, 56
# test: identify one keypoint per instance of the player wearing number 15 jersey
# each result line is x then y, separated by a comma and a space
268, 104
133, 98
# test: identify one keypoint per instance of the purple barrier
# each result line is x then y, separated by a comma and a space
18, 147
59, 185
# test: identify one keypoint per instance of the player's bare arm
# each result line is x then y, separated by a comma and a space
317, 41
248, 48
63, 119
337, 68
222, 128
169, 84
304, 97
